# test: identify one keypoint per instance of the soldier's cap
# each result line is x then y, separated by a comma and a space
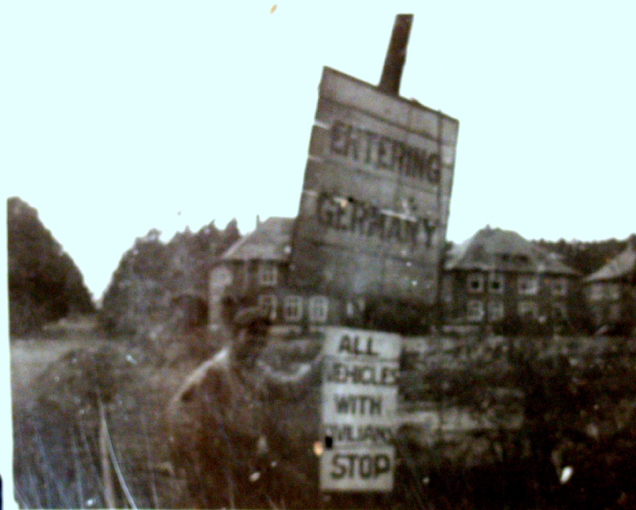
250, 317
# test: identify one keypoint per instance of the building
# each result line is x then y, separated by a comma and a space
497, 274
611, 291
255, 272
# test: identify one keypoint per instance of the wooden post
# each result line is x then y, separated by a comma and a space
396, 55
107, 474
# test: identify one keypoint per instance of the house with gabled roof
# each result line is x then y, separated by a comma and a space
497, 274
255, 272
611, 291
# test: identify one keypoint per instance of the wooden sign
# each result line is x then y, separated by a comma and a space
359, 410
375, 201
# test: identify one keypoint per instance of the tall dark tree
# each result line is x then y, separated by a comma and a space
44, 283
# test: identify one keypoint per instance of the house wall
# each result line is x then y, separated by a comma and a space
238, 284
464, 295
611, 301
220, 278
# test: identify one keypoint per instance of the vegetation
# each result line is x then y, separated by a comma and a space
562, 428
585, 257
152, 276
94, 390
44, 283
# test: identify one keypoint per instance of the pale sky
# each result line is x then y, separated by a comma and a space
118, 117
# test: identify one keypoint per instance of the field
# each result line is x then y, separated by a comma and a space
60, 386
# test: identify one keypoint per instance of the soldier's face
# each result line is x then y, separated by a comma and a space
254, 341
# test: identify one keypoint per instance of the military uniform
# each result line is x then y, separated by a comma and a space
244, 439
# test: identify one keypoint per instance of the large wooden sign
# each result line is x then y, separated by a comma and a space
375, 200
359, 410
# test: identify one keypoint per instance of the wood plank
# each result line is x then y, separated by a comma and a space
408, 115
374, 210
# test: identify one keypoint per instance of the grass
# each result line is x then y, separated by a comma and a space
57, 424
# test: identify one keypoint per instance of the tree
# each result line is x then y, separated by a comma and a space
152, 276
44, 283
137, 287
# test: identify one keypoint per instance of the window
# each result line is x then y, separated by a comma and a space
318, 309
614, 312
268, 303
475, 283
355, 307
597, 292
528, 309
559, 312
475, 311
495, 311
293, 308
528, 285
220, 277
559, 286
613, 291
496, 283
267, 273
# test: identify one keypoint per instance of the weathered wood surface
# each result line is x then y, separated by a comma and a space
375, 202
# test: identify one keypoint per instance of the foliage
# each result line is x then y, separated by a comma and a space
58, 458
585, 257
399, 317
572, 448
44, 283
152, 276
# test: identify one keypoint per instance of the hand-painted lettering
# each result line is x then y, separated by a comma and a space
358, 217
360, 373
360, 405
364, 466
356, 345
364, 146
347, 433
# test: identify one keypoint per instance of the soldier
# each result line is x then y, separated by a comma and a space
230, 427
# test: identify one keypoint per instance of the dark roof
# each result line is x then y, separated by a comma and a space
621, 266
494, 249
270, 241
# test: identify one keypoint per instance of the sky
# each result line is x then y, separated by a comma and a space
118, 117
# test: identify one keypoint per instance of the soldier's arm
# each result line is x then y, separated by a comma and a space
291, 383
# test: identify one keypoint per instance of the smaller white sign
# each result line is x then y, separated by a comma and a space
359, 410
358, 469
